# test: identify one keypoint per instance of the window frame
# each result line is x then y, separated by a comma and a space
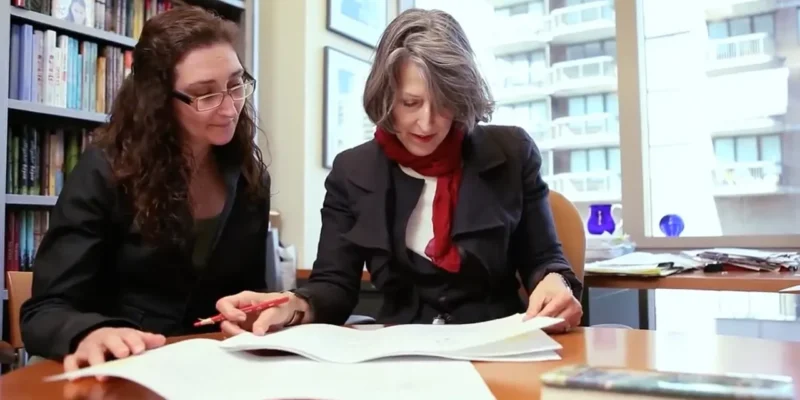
737, 139
634, 148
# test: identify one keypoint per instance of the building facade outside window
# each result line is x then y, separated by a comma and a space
709, 120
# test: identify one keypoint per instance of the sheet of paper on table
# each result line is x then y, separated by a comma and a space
334, 362
200, 368
510, 337
793, 289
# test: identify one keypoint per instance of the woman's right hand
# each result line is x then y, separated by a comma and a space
279, 316
120, 342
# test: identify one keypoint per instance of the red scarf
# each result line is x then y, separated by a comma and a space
445, 164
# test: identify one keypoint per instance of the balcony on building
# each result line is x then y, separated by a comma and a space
741, 53
749, 126
584, 76
756, 178
587, 186
584, 131
521, 85
723, 9
540, 133
583, 22
520, 33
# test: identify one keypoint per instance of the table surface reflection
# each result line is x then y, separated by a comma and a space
638, 349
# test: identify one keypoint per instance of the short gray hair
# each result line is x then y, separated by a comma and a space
437, 44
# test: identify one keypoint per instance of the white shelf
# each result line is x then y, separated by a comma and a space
66, 26
30, 200
38, 108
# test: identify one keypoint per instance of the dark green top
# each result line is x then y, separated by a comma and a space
204, 232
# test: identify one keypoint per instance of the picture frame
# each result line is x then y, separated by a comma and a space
359, 20
344, 122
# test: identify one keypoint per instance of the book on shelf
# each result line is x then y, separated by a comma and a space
39, 159
123, 17
24, 231
59, 70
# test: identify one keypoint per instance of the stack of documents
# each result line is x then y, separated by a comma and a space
749, 259
644, 265
506, 339
333, 362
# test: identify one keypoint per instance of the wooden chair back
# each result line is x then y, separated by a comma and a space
570, 231
19, 290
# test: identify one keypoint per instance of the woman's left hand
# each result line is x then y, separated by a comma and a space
553, 298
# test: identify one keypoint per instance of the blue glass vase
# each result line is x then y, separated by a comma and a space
671, 225
601, 219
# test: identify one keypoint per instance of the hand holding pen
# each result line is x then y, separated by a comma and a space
253, 308
293, 310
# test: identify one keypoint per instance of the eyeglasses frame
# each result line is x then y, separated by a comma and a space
192, 100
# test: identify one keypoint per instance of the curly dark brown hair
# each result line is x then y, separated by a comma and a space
148, 157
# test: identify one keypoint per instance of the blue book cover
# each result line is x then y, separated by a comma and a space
14, 61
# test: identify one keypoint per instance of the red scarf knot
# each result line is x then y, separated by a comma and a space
445, 164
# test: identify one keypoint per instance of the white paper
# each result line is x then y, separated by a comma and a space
344, 345
793, 289
200, 369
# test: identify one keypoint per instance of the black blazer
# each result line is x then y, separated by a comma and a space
93, 270
502, 226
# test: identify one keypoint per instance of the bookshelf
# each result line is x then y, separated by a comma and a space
79, 113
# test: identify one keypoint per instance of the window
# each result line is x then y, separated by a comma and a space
704, 123
744, 149
797, 21
523, 69
764, 23
531, 7
592, 104
732, 120
685, 110
591, 49
589, 160
533, 116
546, 163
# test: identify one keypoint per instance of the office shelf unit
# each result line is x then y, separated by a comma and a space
243, 12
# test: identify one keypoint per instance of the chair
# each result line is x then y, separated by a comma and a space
570, 230
19, 290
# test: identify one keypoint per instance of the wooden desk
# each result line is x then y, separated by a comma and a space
595, 346
731, 281
767, 282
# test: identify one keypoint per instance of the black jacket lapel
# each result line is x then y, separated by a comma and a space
478, 207
369, 191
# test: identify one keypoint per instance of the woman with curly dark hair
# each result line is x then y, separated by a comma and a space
167, 209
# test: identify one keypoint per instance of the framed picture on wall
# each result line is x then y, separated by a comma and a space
344, 122
360, 20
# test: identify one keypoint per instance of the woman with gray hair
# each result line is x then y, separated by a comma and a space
445, 213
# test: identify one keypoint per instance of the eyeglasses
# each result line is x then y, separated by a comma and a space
213, 100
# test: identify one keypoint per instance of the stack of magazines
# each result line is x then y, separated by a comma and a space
755, 260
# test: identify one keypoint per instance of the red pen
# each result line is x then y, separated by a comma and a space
251, 308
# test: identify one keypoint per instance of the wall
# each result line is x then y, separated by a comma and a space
292, 37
